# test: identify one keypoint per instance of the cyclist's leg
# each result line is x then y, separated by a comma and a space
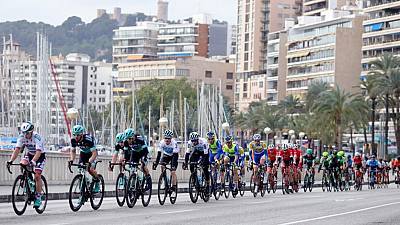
235, 172
206, 170
143, 157
38, 172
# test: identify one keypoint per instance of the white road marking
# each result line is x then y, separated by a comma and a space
340, 214
180, 211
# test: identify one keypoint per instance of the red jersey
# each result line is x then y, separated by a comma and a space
357, 160
285, 155
272, 153
396, 163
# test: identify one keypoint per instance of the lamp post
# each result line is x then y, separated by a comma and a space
267, 131
226, 127
301, 135
163, 122
291, 135
72, 114
275, 137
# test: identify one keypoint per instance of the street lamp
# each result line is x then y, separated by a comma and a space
292, 136
267, 131
163, 122
226, 127
301, 135
275, 137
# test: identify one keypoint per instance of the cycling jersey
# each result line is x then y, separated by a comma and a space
215, 147
357, 160
169, 149
395, 163
230, 151
86, 144
272, 154
373, 164
285, 154
137, 145
309, 159
35, 143
241, 157
201, 146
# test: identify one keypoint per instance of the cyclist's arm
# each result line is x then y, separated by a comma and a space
15, 153
72, 151
93, 157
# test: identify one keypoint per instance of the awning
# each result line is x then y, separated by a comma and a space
376, 26
298, 54
134, 57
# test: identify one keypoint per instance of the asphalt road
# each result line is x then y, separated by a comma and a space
380, 206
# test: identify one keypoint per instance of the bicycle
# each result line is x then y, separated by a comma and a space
386, 180
165, 186
326, 184
262, 187
371, 178
273, 180
241, 183
308, 179
215, 181
348, 174
359, 180
82, 188
198, 184
25, 193
285, 180
397, 178
379, 178
138, 186
227, 185
334, 179
120, 184
295, 174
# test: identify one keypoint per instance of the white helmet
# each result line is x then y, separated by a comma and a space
284, 146
290, 145
256, 137
27, 127
358, 154
194, 136
271, 146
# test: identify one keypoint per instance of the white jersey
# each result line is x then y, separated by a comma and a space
168, 149
202, 146
32, 144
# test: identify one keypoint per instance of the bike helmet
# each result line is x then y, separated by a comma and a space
129, 133
256, 137
271, 146
27, 127
373, 156
295, 146
284, 146
290, 145
120, 137
210, 134
168, 134
398, 158
340, 153
228, 139
77, 130
194, 136
309, 151
334, 152
325, 154
348, 156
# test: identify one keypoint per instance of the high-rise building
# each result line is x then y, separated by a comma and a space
326, 49
381, 30
315, 7
281, 10
252, 30
162, 10
232, 42
218, 39
186, 39
135, 43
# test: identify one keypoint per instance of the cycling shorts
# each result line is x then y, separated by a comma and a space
167, 159
39, 163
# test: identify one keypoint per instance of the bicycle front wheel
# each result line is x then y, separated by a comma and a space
174, 192
44, 196
162, 188
20, 195
305, 182
97, 192
147, 186
193, 190
120, 189
77, 193
131, 191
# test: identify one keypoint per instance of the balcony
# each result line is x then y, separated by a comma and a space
381, 4
386, 17
311, 2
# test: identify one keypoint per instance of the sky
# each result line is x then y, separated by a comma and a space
56, 11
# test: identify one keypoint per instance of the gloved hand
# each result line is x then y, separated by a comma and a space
33, 163
184, 166
155, 165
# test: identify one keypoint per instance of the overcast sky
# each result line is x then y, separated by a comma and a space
56, 11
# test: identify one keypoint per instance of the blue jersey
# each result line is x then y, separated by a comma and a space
373, 164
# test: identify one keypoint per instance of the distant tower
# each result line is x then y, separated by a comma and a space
117, 14
162, 10
100, 12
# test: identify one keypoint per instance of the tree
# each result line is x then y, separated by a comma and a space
337, 106
313, 93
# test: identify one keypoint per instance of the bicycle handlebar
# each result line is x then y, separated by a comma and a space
82, 166
17, 164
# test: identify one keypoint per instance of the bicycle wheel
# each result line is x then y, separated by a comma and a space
162, 188
267, 182
323, 185
252, 183
131, 191
147, 187
20, 195
193, 190
44, 196
275, 184
96, 197
263, 188
231, 184
216, 188
120, 190
310, 183
173, 193
242, 187
227, 187
77, 193
306, 182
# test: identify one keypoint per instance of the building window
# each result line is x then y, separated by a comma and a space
102, 83
229, 75
229, 87
244, 95
261, 84
208, 74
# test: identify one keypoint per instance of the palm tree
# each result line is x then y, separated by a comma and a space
314, 91
338, 105
386, 72
372, 92
291, 105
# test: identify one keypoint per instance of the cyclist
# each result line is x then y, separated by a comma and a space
259, 153
119, 147
242, 161
309, 160
324, 162
395, 166
231, 155
272, 157
298, 161
87, 154
214, 147
197, 150
138, 151
372, 166
34, 156
334, 166
170, 153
